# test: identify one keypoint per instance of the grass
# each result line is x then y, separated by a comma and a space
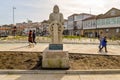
72, 37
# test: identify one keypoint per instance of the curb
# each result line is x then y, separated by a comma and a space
110, 71
102, 71
100, 54
68, 53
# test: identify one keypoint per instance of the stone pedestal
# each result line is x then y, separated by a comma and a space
55, 59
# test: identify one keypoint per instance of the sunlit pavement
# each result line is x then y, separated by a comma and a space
59, 77
72, 48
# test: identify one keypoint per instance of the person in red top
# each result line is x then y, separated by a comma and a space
30, 38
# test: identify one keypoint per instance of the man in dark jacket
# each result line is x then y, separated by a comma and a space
34, 36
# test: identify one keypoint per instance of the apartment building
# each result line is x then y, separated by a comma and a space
108, 24
75, 25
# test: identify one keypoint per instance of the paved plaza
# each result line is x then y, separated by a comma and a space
59, 77
72, 48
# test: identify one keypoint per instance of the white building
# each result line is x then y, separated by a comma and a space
75, 24
90, 23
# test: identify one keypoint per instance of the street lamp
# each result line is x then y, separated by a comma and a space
13, 15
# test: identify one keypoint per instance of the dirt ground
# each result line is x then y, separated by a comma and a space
85, 62
33, 60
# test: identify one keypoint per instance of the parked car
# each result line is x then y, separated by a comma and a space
3, 34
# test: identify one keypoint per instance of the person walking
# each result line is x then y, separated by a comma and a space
34, 36
104, 44
30, 38
100, 39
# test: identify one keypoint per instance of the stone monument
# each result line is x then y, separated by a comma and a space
56, 29
54, 56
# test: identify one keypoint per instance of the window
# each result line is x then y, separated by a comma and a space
107, 21
117, 30
89, 24
100, 22
94, 24
103, 21
118, 20
112, 20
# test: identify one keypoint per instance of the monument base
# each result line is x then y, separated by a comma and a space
55, 59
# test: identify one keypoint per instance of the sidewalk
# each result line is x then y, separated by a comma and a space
59, 77
72, 48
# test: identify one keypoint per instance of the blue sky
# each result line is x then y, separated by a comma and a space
39, 10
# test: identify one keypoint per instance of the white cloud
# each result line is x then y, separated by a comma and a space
38, 10
84, 6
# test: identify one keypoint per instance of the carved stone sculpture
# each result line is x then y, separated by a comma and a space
56, 26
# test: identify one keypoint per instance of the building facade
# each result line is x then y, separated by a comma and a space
44, 28
23, 28
65, 32
71, 24
90, 26
75, 24
5, 30
108, 24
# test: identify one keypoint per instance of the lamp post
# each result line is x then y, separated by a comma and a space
13, 15
14, 27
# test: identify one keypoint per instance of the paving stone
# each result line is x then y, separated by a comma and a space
11, 77
100, 77
59, 77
